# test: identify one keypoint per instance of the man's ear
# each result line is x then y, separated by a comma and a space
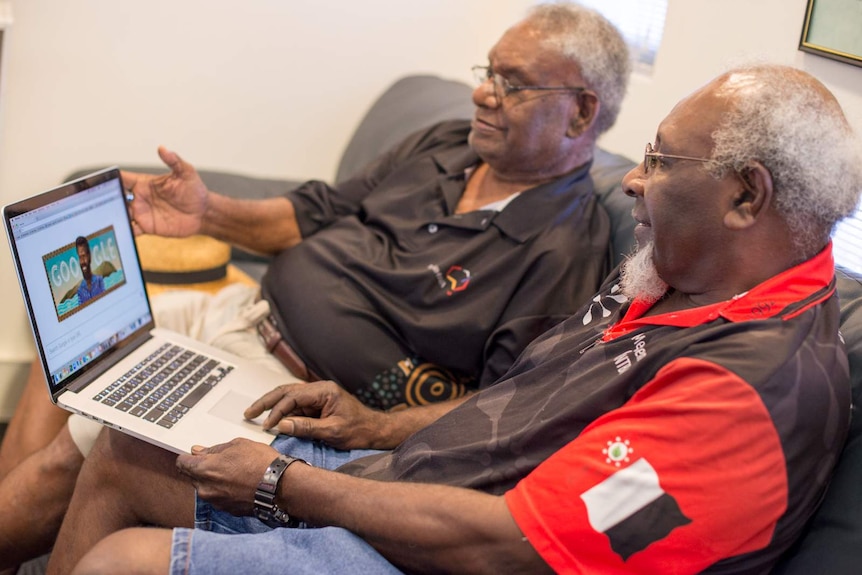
753, 198
585, 113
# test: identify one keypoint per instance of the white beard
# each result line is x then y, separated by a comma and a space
639, 277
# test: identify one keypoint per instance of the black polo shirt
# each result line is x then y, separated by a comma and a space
387, 270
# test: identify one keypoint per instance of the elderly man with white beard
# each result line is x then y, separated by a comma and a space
684, 421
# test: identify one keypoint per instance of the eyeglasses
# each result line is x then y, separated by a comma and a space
651, 158
503, 88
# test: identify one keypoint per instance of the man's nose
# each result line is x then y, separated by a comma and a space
633, 181
484, 95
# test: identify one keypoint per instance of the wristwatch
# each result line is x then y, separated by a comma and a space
265, 508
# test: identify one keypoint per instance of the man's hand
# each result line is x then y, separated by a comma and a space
170, 204
323, 411
227, 475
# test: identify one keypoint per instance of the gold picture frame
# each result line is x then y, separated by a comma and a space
833, 29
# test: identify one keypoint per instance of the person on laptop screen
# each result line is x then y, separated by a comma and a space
436, 265
92, 284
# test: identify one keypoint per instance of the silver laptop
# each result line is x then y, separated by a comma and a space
91, 318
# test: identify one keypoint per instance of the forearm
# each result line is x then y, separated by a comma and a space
264, 226
421, 528
401, 423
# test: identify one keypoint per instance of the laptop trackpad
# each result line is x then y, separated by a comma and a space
231, 407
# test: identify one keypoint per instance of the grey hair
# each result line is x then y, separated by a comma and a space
789, 122
595, 45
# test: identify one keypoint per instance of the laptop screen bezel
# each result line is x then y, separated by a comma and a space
119, 349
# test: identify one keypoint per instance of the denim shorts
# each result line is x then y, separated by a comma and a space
223, 543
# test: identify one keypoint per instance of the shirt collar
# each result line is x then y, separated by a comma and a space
788, 293
541, 205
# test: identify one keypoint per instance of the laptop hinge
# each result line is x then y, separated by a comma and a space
109, 362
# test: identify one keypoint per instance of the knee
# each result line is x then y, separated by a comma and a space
116, 457
61, 455
106, 556
139, 550
105, 469
110, 455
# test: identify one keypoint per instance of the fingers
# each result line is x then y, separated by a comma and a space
188, 462
287, 399
333, 431
316, 411
308, 428
266, 401
172, 160
130, 179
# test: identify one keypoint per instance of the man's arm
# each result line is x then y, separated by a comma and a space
178, 204
266, 226
421, 528
326, 412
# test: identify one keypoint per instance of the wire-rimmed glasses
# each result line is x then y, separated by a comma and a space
503, 88
651, 158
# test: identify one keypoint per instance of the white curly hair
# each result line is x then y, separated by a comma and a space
789, 122
595, 45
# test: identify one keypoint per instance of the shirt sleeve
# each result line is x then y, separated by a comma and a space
688, 472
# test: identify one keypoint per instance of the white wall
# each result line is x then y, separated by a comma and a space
275, 87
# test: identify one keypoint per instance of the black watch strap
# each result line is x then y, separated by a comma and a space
265, 508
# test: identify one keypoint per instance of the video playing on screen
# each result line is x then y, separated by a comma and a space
83, 271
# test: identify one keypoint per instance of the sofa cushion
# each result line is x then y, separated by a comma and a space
408, 105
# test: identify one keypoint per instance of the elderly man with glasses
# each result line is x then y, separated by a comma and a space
691, 429
420, 280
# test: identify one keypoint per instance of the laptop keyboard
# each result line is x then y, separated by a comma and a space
165, 385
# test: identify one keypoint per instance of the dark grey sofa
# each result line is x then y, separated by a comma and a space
833, 541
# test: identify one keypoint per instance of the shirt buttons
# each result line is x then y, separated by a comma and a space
432, 228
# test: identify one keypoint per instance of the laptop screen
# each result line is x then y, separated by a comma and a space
79, 273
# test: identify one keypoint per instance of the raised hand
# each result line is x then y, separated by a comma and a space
171, 204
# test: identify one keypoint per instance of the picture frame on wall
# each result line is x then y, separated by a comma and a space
833, 29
